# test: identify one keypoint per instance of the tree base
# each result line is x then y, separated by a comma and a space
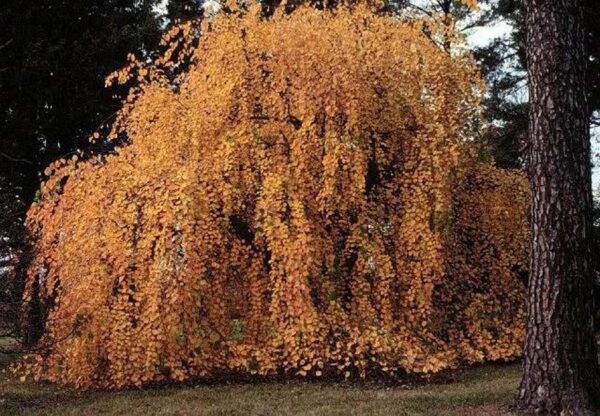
542, 399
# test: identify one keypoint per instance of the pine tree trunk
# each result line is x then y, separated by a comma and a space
560, 371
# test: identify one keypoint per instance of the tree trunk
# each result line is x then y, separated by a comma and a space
560, 370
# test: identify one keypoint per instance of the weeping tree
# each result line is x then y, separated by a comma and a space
316, 209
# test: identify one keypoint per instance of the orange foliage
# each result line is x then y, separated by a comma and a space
306, 204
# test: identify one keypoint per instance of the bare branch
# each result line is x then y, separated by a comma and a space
5, 44
16, 159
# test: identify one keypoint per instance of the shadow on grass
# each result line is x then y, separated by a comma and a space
476, 391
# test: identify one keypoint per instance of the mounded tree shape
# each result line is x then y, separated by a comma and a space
306, 202
561, 368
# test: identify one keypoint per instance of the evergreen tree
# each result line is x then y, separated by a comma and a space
53, 59
182, 10
503, 63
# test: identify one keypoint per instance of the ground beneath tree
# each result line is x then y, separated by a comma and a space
486, 390
487, 410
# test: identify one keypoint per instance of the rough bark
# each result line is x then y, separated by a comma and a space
560, 371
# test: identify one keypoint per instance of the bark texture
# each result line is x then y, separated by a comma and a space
560, 374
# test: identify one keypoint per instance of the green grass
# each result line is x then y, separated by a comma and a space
485, 390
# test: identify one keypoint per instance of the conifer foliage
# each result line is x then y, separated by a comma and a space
305, 202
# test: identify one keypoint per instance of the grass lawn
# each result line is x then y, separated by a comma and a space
485, 390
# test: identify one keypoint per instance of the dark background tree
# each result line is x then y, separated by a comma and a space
13, 254
560, 370
182, 10
55, 55
503, 64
